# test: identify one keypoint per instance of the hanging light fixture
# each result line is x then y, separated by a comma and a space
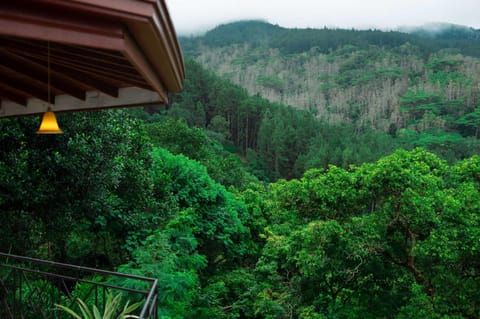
49, 124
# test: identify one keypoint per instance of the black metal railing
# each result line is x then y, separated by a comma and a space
30, 288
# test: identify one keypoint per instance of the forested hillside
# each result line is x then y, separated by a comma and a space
246, 205
387, 81
280, 141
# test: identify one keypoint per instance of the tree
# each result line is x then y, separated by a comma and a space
201, 237
381, 239
471, 121
93, 180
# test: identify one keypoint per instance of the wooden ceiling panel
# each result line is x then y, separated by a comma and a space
33, 71
8, 95
24, 86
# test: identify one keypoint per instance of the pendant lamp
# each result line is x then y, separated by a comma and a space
49, 124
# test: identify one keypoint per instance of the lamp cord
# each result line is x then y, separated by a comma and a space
48, 73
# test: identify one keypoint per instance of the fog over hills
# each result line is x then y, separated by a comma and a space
443, 31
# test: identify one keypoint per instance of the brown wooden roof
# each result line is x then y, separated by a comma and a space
86, 54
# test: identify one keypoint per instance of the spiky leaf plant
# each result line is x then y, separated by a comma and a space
113, 309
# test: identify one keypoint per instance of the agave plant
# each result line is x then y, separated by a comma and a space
113, 309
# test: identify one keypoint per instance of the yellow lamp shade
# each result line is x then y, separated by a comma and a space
49, 124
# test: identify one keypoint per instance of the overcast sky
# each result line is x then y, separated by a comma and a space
193, 16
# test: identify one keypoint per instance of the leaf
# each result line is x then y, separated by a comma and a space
84, 309
97, 313
68, 310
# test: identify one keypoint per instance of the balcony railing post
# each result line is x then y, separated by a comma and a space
15, 292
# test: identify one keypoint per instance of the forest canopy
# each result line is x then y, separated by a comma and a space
244, 207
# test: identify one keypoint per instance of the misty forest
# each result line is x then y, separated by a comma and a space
301, 173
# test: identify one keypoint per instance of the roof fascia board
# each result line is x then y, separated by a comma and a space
161, 14
136, 57
125, 9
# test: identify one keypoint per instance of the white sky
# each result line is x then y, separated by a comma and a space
194, 16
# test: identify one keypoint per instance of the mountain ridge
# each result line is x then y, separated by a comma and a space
428, 38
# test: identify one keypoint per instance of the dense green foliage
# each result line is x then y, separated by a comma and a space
380, 240
246, 208
397, 238
70, 195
